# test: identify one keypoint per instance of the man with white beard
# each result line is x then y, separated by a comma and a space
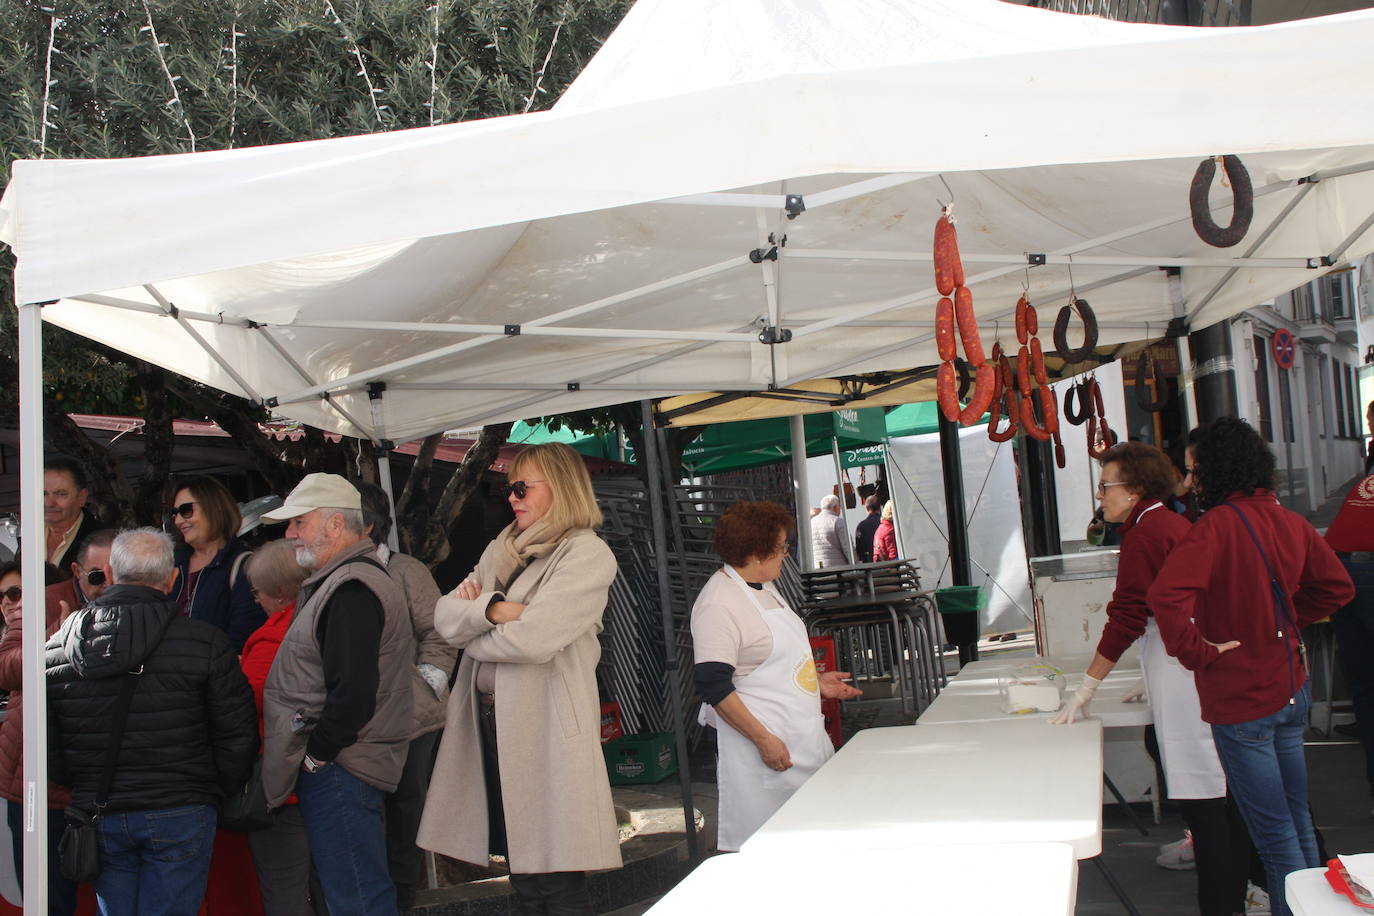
337, 704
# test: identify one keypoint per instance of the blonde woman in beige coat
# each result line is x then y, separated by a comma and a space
520, 770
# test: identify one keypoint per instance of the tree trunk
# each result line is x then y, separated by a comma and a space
150, 498
111, 493
433, 541
413, 508
237, 418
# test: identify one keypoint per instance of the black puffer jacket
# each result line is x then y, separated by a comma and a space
192, 730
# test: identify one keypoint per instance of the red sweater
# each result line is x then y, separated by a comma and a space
885, 541
1214, 588
260, 649
1144, 546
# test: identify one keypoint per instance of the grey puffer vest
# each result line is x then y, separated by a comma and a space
296, 682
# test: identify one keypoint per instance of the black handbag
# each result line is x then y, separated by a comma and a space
246, 810
79, 848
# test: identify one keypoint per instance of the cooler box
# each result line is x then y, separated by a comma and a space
644, 758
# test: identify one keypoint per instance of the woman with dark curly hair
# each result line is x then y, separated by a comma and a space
1231, 601
1136, 491
755, 671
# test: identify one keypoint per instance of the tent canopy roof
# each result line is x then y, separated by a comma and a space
601, 252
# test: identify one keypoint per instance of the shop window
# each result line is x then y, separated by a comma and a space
1338, 386
1352, 402
1336, 292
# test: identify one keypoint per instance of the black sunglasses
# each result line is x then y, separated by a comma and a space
185, 510
518, 487
95, 577
13, 593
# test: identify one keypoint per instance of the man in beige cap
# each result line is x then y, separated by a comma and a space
337, 705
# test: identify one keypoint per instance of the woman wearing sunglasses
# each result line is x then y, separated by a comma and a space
61, 892
520, 772
211, 585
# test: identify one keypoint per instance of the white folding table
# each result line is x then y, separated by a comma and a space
973, 695
1309, 894
1030, 879
962, 783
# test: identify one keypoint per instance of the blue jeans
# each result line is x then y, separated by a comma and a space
343, 819
1267, 773
155, 863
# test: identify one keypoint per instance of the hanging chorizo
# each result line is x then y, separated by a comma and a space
1060, 458
1028, 422
1011, 401
944, 329
1243, 196
949, 273
1022, 332
1038, 362
1147, 369
945, 393
982, 396
1077, 395
968, 326
1049, 408
1023, 371
1061, 331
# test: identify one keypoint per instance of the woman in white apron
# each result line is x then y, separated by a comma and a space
1137, 480
755, 671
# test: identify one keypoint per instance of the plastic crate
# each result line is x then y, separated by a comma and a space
642, 758
960, 599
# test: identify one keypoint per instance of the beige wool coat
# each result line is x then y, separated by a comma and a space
559, 814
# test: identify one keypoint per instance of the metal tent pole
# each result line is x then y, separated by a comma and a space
839, 486
653, 483
796, 425
34, 681
374, 393
952, 470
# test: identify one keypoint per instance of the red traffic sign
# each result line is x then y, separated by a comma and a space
1284, 347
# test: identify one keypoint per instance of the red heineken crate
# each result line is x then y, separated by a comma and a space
611, 726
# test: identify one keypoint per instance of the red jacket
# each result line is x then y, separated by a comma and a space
11, 679
1214, 588
259, 650
885, 541
1145, 545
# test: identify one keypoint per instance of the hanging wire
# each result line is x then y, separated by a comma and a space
945, 206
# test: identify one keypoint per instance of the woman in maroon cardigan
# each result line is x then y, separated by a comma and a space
1135, 489
1231, 602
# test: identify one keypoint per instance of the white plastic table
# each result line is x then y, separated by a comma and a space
1007, 781
973, 695
1031, 879
1309, 894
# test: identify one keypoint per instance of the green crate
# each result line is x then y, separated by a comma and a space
642, 758
960, 599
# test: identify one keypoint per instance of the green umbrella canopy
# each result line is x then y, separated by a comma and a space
754, 443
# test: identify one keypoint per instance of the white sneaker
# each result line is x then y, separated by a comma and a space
1256, 901
1178, 855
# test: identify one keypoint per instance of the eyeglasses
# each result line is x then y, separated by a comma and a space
185, 510
518, 487
13, 593
782, 548
1102, 485
95, 577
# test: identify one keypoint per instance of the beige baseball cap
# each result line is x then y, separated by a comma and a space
316, 491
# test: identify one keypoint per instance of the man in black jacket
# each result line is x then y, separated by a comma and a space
189, 737
863, 532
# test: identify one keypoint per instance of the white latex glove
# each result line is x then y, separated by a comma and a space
1077, 706
436, 679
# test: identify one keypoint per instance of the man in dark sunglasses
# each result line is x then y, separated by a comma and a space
91, 575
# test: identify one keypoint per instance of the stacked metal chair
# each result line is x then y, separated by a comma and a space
883, 625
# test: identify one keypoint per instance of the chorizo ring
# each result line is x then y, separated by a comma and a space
1242, 194
1011, 400
1147, 365
1038, 362
949, 273
1022, 331
1030, 424
1049, 409
1023, 372
1060, 458
1077, 394
1061, 331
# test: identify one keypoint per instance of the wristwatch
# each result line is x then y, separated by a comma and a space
311, 765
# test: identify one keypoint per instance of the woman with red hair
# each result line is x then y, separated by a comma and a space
755, 672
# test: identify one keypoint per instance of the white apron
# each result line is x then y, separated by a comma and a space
1191, 766
784, 695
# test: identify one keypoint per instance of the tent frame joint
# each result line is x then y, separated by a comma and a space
1178, 327
511, 330
1037, 259
1318, 263
758, 255
574, 386
772, 334
795, 205
375, 390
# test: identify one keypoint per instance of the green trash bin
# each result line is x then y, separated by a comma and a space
959, 606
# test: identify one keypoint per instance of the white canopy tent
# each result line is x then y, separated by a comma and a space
719, 170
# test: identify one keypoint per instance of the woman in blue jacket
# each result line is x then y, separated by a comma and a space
212, 585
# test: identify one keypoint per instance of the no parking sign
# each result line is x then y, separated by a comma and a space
1284, 348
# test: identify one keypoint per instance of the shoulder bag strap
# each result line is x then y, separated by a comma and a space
121, 718
1281, 599
236, 566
